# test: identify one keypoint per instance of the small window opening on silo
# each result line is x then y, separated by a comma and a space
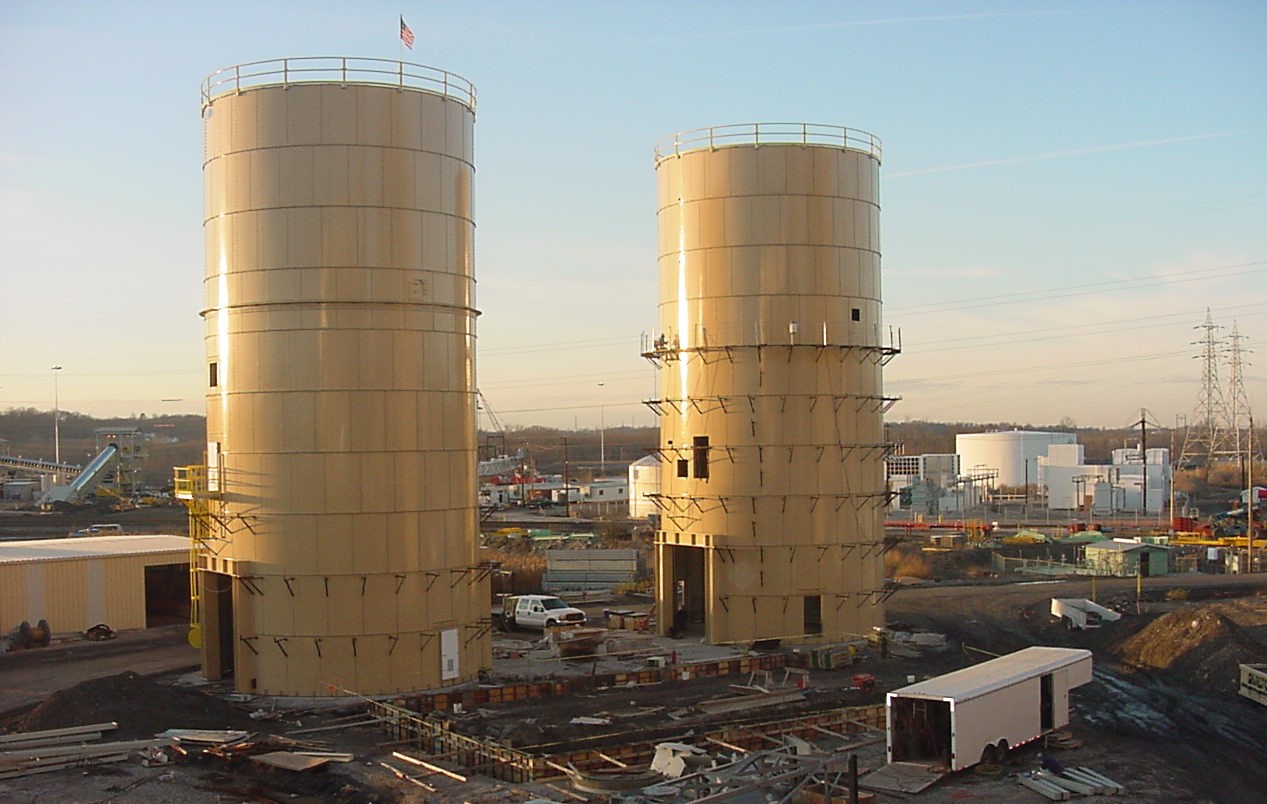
683, 467
856, 314
813, 614
701, 456
213, 374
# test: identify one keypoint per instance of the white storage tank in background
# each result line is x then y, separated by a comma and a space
644, 480
1012, 453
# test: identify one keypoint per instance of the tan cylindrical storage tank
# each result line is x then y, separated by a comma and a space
340, 327
770, 346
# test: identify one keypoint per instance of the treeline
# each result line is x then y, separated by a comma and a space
937, 438
181, 439
174, 440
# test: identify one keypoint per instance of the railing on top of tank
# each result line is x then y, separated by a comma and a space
758, 133
343, 69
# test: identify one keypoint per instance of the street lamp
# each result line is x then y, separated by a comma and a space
57, 436
602, 431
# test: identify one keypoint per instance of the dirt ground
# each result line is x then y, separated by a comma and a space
1160, 717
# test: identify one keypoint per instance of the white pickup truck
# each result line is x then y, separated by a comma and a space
538, 611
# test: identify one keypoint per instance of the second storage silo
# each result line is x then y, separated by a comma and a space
771, 405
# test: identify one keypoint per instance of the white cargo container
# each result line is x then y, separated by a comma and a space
981, 712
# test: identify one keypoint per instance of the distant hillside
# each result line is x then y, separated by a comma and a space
181, 440
175, 440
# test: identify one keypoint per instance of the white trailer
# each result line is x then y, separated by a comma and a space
981, 712
1254, 682
1079, 613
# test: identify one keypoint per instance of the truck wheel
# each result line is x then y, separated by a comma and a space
550, 623
1068, 623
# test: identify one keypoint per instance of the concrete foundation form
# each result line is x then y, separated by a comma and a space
491, 758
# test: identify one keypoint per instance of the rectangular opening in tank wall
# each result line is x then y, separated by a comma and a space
683, 467
700, 449
813, 605
856, 314
213, 374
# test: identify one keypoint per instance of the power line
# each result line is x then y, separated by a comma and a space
1070, 291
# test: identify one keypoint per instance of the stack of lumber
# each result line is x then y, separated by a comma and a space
34, 752
1069, 783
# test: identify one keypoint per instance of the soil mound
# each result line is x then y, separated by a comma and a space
1199, 643
141, 707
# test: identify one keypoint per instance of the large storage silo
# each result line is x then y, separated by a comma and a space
771, 347
339, 515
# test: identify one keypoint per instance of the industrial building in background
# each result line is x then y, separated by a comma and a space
336, 518
770, 349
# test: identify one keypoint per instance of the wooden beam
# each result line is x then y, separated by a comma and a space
723, 744
402, 775
335, 726
612, 760
433, 768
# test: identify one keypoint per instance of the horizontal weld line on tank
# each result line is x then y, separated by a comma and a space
354, 305
695, 198
361, 146
751, 244
861, 495
439, 212
742, 397
784, 294
871, 347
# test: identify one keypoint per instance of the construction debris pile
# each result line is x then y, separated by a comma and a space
1205, 643
118, 698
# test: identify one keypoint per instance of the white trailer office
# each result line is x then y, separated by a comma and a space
981, 712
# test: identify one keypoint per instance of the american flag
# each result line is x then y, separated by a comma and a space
406, 35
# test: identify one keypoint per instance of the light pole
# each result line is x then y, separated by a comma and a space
57, 436
602, 431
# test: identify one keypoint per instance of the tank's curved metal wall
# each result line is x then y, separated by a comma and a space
340, 329
770, 347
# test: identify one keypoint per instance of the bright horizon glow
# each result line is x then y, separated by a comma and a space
1065, 189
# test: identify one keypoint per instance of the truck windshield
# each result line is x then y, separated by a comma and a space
554, 603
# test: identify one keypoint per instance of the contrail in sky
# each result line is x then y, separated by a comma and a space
1092, 149
827, 26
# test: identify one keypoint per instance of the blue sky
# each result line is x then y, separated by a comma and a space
1066, 187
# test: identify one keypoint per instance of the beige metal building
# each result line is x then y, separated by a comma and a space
1126, 558
770, 350
126, 582
337, 509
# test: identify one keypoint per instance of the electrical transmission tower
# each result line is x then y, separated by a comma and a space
1237, 398
1208, 437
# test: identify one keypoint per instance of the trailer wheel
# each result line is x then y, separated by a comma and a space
990, 755
1003, 752
1068, 621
